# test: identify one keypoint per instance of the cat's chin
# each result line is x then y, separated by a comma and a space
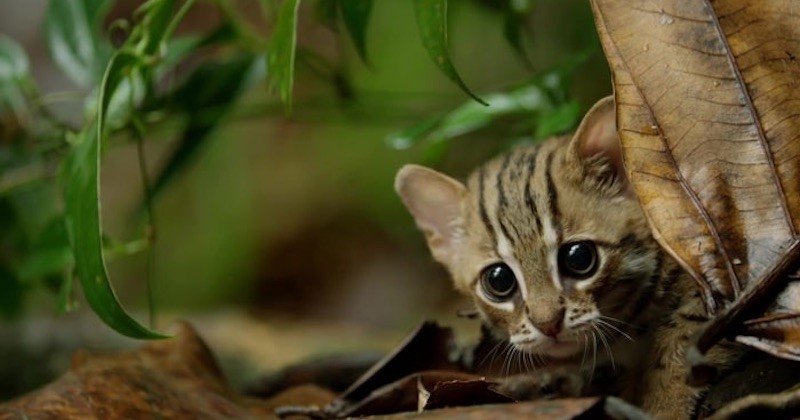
552, 349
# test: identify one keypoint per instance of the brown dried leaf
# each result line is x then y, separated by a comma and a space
443, 388
452, 393
174, 378
775, 334
708, 110
755, 373
782, 405
427, 348
577, 408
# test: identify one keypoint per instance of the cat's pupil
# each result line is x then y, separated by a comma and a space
577, 259
498, 281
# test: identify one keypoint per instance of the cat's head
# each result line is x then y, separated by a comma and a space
548, 240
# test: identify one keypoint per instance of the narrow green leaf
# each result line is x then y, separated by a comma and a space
558, 79
513, 26
407, 137
120, 67
155, 21
180, 47
82, 206
432, 26
281, 51
14, 63
558, 120
472, 116
14, 76
540, 106
81, 173
72, 30
434, 153
177, 50
356, 17
206, 98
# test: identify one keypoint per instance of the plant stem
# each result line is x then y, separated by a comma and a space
150, 233
178, 18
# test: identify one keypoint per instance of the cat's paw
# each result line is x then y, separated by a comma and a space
538, 385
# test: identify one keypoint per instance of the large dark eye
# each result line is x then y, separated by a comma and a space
578, 259
499, 282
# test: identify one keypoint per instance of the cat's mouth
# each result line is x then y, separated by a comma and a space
560, 348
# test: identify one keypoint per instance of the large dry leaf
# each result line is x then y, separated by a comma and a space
424, 391
174, 378
782, 405
708, 109
428, 347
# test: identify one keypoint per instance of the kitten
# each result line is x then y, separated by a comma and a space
556, 253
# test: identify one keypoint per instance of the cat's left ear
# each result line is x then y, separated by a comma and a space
596, 145
435, 200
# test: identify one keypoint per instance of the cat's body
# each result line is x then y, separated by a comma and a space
555, 251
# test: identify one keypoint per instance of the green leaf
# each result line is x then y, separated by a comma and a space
472, 116
513, 28
432, 25
180, 47
407, 137
177, 50
72, 29
155, 21
206, 98
434, 153
14, 76
356, 16
558, 120
14, 64
542, 106
281, 51
121, 67
558, 79
81, 174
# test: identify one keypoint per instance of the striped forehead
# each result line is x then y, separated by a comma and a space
517, 205
515, 195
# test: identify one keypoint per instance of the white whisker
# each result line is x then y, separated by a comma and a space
594, 355
585, 346
603, 339
623, 333
492, 353
507, 360
621, 322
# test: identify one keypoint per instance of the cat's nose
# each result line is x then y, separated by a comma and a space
552, 326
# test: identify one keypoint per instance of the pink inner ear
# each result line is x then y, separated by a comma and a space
601, 138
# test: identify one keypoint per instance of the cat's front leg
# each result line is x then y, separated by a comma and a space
543, 383
666, 394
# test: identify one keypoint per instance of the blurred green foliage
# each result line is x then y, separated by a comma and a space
152, 81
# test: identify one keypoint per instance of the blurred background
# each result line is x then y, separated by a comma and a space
281, 238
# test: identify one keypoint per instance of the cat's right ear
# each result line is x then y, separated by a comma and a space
436, 202
596, 146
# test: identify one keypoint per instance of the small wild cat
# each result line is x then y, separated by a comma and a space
556, 253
